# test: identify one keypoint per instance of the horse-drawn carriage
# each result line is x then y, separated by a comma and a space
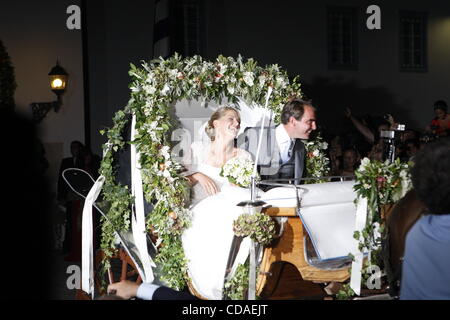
314, 236
316, 222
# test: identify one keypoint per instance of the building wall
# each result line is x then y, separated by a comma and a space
289, 33
119, 33
35, 35
293, 35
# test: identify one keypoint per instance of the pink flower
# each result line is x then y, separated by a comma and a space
381, 181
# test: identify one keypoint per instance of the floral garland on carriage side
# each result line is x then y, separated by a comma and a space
382, 184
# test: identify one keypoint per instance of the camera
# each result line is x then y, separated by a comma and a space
391, 138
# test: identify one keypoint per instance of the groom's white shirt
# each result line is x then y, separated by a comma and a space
283, 141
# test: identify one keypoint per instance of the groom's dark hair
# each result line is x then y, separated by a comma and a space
294, 108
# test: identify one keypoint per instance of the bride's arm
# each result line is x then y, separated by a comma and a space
206, 182
194, 157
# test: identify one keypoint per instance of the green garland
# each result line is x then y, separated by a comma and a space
7, 80
236, 287
154, 87
317, 163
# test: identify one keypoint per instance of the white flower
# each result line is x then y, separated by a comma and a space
222, 68
280, 81
173, 73
166, 174
153, 125
262, 80
135, 89
316, 153
403, 174
248, 78
364, 163
165, 152
230, 89
149, 89
147, 111
165, 90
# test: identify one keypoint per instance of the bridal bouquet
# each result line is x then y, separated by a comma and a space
239, 171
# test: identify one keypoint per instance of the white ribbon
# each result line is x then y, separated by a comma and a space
87, 234
360, 224
138, 219
242, 255
252, 273
255, 169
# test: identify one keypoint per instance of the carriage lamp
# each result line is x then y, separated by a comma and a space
58, 78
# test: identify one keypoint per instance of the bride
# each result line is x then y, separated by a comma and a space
207, 242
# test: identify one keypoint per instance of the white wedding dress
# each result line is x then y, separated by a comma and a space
207, 242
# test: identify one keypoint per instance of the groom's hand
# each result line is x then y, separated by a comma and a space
206, 182
124, 289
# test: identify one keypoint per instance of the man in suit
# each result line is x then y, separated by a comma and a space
282, 154
63, 196
74, 161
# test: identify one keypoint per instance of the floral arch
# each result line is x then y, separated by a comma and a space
154, 87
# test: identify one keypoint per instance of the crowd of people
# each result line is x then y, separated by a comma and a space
363, 139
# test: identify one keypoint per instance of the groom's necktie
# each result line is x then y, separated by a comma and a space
291, 148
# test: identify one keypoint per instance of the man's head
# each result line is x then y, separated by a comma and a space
412, 146
431, 176
299, 119
440, 109
350, 158
75, 148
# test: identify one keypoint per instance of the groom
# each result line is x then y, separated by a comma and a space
282, 154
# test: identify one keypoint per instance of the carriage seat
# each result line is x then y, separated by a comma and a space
327, 212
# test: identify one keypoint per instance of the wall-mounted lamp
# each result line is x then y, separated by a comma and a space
58, 82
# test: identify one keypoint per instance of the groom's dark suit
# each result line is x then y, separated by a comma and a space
269, 163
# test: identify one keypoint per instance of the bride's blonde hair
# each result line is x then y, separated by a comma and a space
219, 113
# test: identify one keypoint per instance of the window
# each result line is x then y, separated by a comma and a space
413, 42
189, 27
342, 38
